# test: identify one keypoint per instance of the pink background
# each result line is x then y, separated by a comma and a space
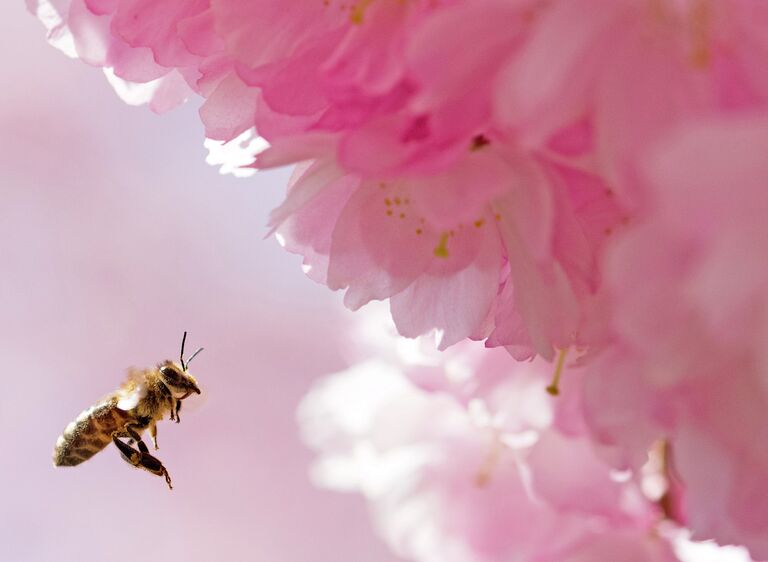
115, 236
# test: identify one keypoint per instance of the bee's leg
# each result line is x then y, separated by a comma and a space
141, 458
137, 438
173, 407
178, 409
153, 435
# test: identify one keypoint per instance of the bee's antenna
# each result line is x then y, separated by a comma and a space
193, 356
181, 355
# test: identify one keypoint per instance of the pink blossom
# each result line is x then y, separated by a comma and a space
449, 256
630, 70
365, 94
465, 232
465, 466
690, 362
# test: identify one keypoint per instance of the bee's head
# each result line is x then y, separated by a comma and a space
179, 382
175, 375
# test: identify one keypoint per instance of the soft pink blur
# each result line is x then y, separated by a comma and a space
115, 236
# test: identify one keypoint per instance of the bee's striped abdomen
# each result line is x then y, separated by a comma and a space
89, 433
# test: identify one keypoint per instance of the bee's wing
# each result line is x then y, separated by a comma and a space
132, 391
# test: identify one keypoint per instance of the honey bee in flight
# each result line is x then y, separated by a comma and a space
142, 401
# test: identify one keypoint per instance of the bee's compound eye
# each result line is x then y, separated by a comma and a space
170, 374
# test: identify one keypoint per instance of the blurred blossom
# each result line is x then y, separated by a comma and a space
465, 464
690, 359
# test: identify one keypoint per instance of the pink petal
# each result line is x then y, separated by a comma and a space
376, 252
461, 194
308, 229
568, 41
153, 24
455, 303
229, 110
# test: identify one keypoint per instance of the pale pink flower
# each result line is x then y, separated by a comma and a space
499, 244
457, 457
440, 489
690, 325
412, 193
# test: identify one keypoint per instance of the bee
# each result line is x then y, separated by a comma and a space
142, 401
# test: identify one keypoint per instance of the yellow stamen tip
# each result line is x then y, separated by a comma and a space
553, 390
357, 15
441, 250
554, 386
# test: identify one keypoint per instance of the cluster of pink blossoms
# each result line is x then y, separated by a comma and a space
466, 458
575, 180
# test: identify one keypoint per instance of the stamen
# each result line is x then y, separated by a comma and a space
668, 501
554, 387
478, 142
484, 474
700, 22
441, 250
357, 14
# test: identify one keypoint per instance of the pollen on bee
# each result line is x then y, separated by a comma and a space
84, 415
